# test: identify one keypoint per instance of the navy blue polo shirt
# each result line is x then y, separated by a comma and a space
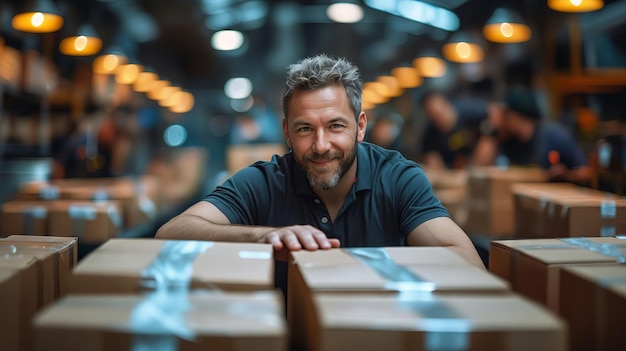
391, 196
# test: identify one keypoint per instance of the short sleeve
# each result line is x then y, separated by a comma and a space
243, 196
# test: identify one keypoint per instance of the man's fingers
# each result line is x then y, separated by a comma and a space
274, 239
334, 243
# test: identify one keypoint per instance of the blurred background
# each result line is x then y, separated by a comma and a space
187, 91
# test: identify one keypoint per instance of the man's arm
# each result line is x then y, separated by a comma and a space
442, 231
204, 221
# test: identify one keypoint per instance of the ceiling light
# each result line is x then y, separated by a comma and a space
85, 43
41, 17
238, 88
392, 85
344, 12
227, 40
506, 26
108, 63
170, 96
145, 80
408, 77
184, 104
461, 48
575, 5
155, 89
370, 96
430, 65
128, 73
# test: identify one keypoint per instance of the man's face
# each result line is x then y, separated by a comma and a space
321, 130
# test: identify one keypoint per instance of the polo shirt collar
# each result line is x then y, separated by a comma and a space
363, 174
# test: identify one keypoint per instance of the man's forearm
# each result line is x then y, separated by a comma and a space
192, 227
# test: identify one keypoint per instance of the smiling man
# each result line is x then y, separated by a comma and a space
332, 189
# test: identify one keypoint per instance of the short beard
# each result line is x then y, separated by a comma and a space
332, 180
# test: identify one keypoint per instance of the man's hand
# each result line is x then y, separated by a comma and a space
296, 238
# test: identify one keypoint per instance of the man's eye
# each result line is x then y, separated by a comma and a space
304, 129
336, 126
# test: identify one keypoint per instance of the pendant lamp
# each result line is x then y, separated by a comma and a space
40, 16
84, 43
575, 5
462, 49
506, 26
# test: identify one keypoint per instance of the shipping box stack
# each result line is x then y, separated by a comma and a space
25, 217
593, 302
191, 295
533, 266
450, 187
138, 198
563, 209
33, 275
418, 298
490, 198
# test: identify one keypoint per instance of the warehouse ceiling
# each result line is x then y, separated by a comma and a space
173, 37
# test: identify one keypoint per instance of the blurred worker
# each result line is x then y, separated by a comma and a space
385, 131
524, 140
451, 134
331, 189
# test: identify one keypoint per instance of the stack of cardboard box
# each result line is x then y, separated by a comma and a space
563, 209
156, 294
34, 273
92, 209
419, 298
490, 198
580, 279
450, 187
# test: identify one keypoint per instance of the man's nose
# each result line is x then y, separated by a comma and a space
322, 143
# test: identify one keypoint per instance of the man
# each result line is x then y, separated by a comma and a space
524, 140
451, 132
332, 189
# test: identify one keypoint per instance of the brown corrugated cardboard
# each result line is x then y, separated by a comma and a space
19, 295
562, 209
91, 222
533, 266
138, 198
396, 322
117, 266
219, 321
434, 269
64, 249
24, 217
47, 274
592, 300
490, 198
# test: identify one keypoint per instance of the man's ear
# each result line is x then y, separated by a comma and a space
361, 126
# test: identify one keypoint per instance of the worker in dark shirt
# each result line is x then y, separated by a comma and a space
451, 132
331, 189
526, 140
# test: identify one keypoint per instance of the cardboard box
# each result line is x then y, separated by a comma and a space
240, 156
398, 268
138, 198
90, 222
64, 250
532, 266
46, 274
490, 198
19, 286
450, 322
24, 217
593, 302
122, 266
220, 321
562, 209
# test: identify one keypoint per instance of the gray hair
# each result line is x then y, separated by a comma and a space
319, 72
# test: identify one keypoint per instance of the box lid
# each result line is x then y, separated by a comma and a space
220, 263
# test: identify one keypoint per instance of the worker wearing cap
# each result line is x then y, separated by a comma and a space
526, 140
